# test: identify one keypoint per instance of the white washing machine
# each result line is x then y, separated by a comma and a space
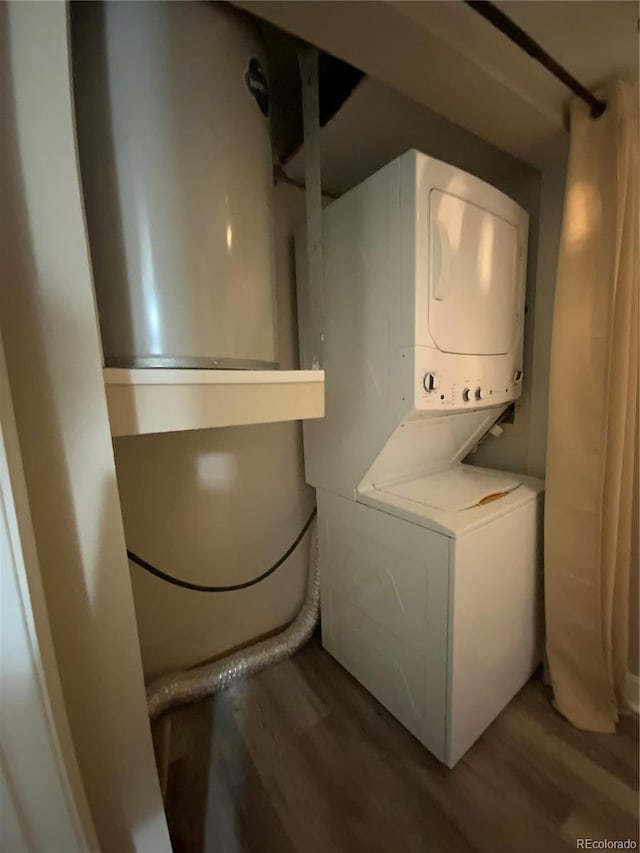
430, 568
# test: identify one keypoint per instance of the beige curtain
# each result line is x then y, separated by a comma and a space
592, 410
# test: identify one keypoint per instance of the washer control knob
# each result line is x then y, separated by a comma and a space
517, 376
465, 395
478, 393
429, 382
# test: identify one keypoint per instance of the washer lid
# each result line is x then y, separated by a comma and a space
456, 489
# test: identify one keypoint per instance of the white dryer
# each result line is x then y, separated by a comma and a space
430, 568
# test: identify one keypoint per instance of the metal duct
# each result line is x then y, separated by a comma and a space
193, 684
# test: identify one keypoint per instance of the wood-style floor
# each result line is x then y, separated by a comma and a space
301, 758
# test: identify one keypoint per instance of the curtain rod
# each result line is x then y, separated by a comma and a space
517, 35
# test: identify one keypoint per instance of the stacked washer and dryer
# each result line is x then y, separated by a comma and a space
430, 567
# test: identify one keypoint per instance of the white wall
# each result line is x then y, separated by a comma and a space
511, 450
219, 506
522, 447
377, 124
52, 351
551, 211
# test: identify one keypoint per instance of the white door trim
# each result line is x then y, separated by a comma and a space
42, 801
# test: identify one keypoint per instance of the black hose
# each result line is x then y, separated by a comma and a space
230, 587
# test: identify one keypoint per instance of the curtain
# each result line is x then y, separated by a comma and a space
593, 402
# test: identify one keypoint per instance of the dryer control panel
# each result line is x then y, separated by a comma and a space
444, 382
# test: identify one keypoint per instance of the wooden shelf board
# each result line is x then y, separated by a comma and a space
163, 400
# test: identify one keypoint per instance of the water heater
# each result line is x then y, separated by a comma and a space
172, 109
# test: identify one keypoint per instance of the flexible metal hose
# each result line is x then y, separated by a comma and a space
190, 685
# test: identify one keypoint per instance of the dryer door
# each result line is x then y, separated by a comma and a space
476, 275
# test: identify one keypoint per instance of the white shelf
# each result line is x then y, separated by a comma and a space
161, 400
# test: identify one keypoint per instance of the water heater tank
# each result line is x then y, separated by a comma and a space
172, 107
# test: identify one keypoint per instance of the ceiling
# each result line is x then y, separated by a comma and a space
595, 40
446, 57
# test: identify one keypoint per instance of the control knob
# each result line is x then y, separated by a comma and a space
429, 382
465, 395
478, 393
